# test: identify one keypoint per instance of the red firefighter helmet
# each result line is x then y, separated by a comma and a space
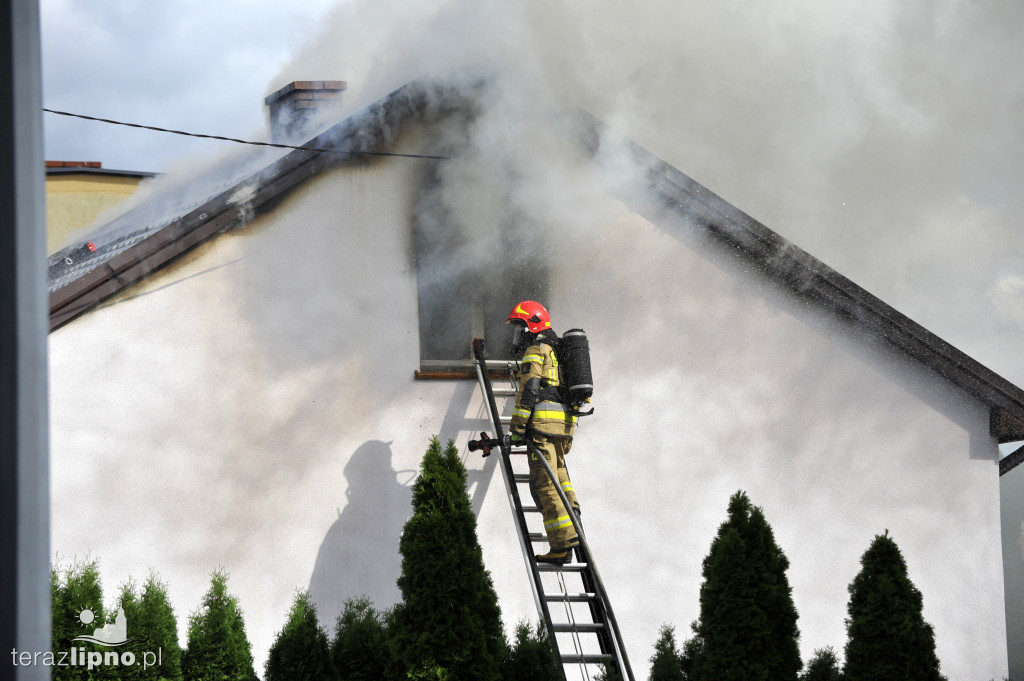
536, 317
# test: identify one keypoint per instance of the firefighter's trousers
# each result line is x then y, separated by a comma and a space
556, 520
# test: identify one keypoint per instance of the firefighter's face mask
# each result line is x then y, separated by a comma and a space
520, 339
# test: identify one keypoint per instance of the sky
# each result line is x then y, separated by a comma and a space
187, 65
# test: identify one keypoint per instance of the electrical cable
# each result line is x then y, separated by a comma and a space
241, 141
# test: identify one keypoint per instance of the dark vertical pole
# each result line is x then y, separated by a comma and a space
24, 485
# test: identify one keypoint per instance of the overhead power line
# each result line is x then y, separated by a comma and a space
240, 141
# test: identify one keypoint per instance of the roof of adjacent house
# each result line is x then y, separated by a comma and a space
54, 168
139, 242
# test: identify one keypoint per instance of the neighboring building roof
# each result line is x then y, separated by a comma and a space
78, 192
132, 248
90, 168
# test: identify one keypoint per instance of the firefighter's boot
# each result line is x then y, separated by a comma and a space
560, 556
556, 557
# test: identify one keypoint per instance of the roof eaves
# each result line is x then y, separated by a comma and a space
82, 170
1008, 463
679, 194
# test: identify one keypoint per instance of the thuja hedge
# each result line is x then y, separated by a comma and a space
747, 629
447, 626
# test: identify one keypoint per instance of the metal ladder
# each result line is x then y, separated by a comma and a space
585, 633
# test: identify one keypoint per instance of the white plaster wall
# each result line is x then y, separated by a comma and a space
253, 408
709, 382
208, 417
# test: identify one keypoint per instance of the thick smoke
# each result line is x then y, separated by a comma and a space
863, 134
860, 133
880, 137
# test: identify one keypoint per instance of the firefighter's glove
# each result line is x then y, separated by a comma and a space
515, 439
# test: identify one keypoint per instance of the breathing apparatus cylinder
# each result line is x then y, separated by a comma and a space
574, 358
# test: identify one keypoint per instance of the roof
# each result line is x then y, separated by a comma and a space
133, 246
90, 168
816, 281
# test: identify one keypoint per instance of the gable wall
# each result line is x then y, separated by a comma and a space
726, 383
74, 201
253, 407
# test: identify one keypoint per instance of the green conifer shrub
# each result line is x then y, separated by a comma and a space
887, 637
608, 673
58, 623
747, 628
161, 626
77, 609
824, 666
531, 657
666, 663
301, 649
360, 644
152, 629
448, 624
218, 648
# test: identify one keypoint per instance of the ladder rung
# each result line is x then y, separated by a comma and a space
582, 627
568, 567
586, 659
583, 568
500, 362
571, 598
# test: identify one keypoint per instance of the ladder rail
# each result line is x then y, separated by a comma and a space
610, 637
511, 489
598, 582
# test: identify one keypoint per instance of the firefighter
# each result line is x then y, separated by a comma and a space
541, 416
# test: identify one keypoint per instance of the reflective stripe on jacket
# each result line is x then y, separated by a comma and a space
538, 370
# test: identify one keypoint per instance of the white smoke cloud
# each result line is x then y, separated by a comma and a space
878, 137
1007, 298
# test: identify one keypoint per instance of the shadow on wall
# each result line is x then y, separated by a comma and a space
457, 422
359, 556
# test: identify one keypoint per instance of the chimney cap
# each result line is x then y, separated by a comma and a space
337, 86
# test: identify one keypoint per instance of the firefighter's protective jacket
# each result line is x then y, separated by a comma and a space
538, 408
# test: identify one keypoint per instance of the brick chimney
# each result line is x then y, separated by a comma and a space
295, 104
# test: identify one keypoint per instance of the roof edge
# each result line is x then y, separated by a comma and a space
677, 193
372, 129
99, 171
1008, 463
